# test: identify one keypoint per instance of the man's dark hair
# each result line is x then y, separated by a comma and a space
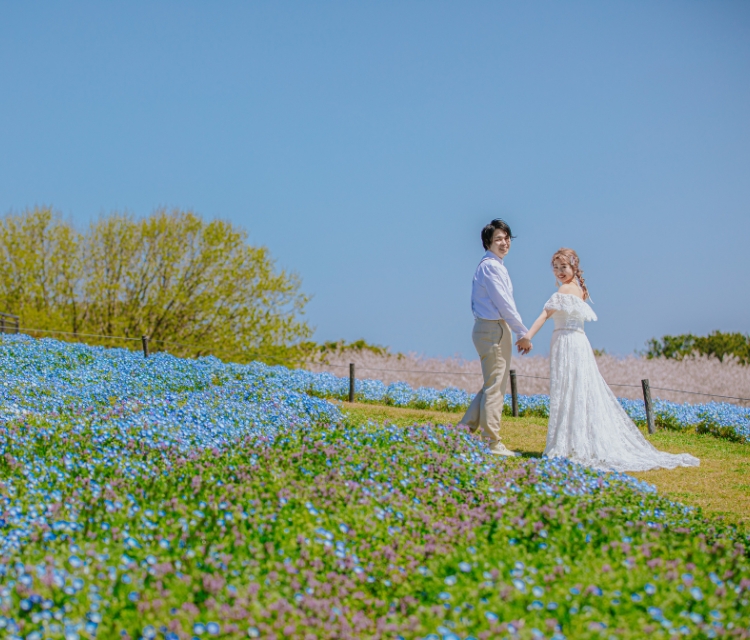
489, 231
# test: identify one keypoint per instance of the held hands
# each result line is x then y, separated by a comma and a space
524, 345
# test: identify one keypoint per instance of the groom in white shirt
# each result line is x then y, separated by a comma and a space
495, 314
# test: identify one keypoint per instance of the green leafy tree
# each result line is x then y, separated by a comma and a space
40, 263
194, 287
715, 344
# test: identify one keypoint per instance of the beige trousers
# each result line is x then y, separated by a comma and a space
492, 339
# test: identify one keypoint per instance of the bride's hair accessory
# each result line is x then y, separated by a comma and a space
571, 257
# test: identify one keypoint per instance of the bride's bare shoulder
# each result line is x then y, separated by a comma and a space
572, 289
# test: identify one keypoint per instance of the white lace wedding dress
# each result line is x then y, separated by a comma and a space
586, 422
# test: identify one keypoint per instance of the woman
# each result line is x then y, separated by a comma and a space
586, 422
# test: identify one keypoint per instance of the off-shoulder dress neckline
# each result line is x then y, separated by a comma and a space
558, 293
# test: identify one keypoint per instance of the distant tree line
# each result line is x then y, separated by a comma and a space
717, 344
171, 276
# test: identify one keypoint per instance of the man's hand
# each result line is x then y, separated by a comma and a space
524, 346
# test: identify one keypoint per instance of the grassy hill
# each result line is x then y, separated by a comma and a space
170, 498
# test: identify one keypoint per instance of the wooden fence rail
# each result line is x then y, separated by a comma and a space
9, 323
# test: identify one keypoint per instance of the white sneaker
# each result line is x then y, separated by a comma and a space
499, 449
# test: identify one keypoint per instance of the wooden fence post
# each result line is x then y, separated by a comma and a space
144, 340
351, 382
514, 392
649, 406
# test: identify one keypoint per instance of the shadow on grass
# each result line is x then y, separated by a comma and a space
529, 454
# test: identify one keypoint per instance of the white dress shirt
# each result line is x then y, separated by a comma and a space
492, 294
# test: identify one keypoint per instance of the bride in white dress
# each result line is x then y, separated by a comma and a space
587, 424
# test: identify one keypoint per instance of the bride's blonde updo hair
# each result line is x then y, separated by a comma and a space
571, 257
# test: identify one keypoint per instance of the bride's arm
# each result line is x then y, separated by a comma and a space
524, 343
538, 323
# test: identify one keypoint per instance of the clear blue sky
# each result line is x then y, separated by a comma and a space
366, 143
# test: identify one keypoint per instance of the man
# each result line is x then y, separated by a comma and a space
495, 314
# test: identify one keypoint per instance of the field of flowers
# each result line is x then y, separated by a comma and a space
721, 419
169, 498
699, 373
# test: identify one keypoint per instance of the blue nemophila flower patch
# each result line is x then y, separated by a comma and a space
169, 498
722, 419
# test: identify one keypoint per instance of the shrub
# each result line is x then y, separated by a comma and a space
716, 344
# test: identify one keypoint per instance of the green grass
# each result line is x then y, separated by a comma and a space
720, 486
